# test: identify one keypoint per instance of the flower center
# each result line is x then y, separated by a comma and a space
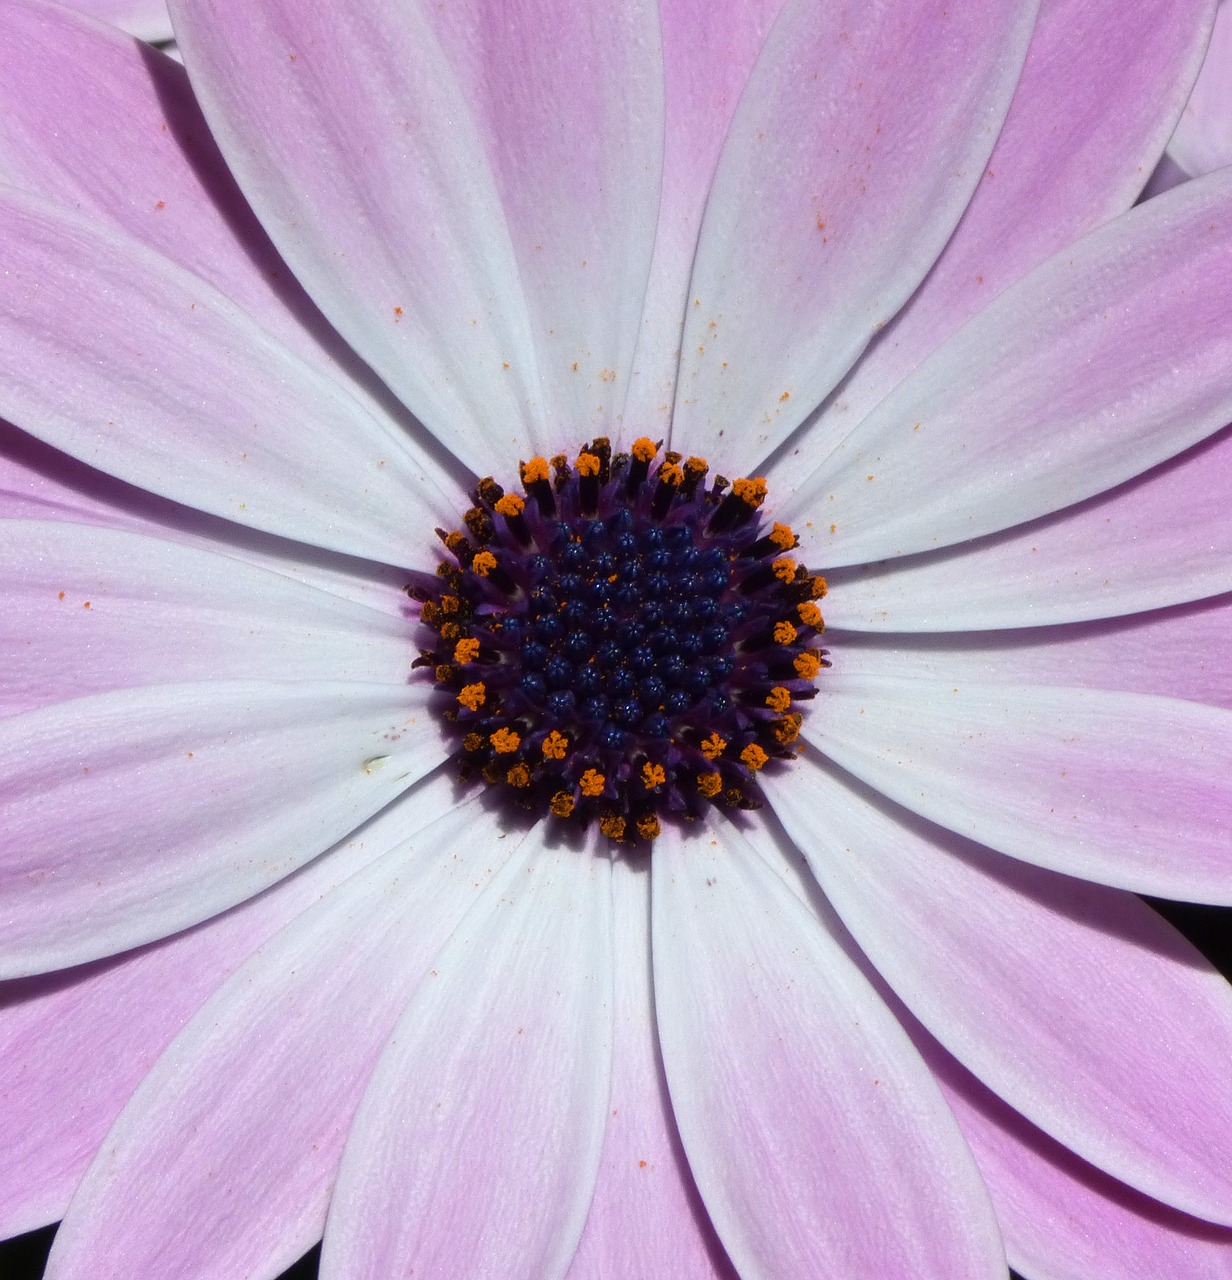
624, 643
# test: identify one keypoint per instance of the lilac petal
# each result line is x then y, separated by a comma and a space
1062, 1218
275, 1063
123, 359
1103, 84
481, 229
709, 48
100, 124
863, 132
75, 1044
1077, 1004
1110, 358
646, 1218
88, 610
1179, 653
1158, 540
1203, 138
41, 483
819, 1141
476, 1146
146, 19
114, 829
1127, 789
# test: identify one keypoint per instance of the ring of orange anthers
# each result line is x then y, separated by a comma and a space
623, 643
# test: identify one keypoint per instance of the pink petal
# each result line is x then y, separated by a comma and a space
1061, 1217
41, 483
74, 1045
1123, 788
709, 48
1158, 540
1103, 84
1203, 138
646, 1218
1077, 1004
98, 123
146, 19
275, 1064
88, 610
115, 829
862, 133
818, 1140
1105, 361
1180, 653
486, 218
476, 1146
148, 362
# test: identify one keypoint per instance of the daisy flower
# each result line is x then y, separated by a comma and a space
430, 821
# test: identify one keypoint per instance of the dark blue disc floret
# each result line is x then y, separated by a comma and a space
625, 643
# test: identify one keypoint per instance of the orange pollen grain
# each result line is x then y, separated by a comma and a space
784, 633
709, 784
613, 826
505, 741
784, 568
778, 699
484, 563
555, 745
592, 783
653, 775
753, 756
561, 804
510, 505
750, 491
788, 728
473, 696
644, 449
518, 776
809, 614
534, 470
808, 666
782, 536
588, 464
714, 746
466, 650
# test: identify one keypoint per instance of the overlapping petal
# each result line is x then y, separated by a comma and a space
1127, 789
646, 1218
1120, 553
1102, 363
709, 48
1203, 137
125, 360
1103, 83
818, 1141
240, 1125
132, 814
1179, 653
146, 19
498, 1075
75, 1044
89, 610
1074, 1002
487, 186
863, 131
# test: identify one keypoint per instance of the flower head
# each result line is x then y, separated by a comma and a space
277, 972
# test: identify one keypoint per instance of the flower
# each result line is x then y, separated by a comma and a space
273, 973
